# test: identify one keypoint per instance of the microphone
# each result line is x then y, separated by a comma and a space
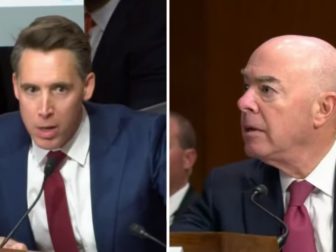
48, 169
262, 190
141, 232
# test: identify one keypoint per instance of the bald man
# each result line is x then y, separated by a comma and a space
288, 124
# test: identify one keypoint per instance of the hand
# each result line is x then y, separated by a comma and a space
12, 244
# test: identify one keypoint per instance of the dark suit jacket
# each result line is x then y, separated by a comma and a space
189, 199
130, 61
8, 101
226, 204
128, 177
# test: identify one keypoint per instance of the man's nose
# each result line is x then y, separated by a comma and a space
247, 102
46, 106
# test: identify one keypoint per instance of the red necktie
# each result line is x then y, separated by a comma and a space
59, 222
89, 22
301, 232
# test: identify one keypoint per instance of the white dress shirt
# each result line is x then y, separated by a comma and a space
76, 175
175, 201
320, 202
101, 17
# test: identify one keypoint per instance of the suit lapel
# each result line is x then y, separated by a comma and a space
14, 203
256, 220
106, 162
113, 32
188, 199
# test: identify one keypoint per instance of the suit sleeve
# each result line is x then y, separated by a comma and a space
159, 156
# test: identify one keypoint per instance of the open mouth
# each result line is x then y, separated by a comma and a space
47, 132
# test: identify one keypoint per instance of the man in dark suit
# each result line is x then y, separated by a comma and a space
288, 123
7, 98
129, 55
114, 168
183, 155
129, 51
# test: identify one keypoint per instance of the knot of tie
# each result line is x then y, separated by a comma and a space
56, 158
299, 191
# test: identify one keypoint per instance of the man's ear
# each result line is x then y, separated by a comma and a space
15, 85
324, 108
189, 159
90, 83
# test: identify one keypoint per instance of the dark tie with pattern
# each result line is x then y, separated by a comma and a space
59, 222
301, 232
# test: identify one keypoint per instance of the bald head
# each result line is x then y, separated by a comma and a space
314, 56
288, 110
297, 42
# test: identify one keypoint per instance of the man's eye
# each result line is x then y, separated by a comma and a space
60, 89
30, 89
266, 89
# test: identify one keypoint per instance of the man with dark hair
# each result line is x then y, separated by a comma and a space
128, 40
108, 161
183, 155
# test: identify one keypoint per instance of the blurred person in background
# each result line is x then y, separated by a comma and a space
183, 155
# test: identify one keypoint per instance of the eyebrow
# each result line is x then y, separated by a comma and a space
267, 79
61, 83
55, 84
261, 79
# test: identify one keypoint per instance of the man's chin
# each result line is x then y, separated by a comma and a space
252, 151
47, 144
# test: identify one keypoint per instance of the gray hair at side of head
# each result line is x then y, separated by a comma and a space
187, 135
49, 33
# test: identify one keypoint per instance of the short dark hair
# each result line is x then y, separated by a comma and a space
48, 33
187, 135
92, 5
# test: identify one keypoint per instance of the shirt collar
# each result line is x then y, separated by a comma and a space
77, 148
176, 199
322, 177
103, 14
